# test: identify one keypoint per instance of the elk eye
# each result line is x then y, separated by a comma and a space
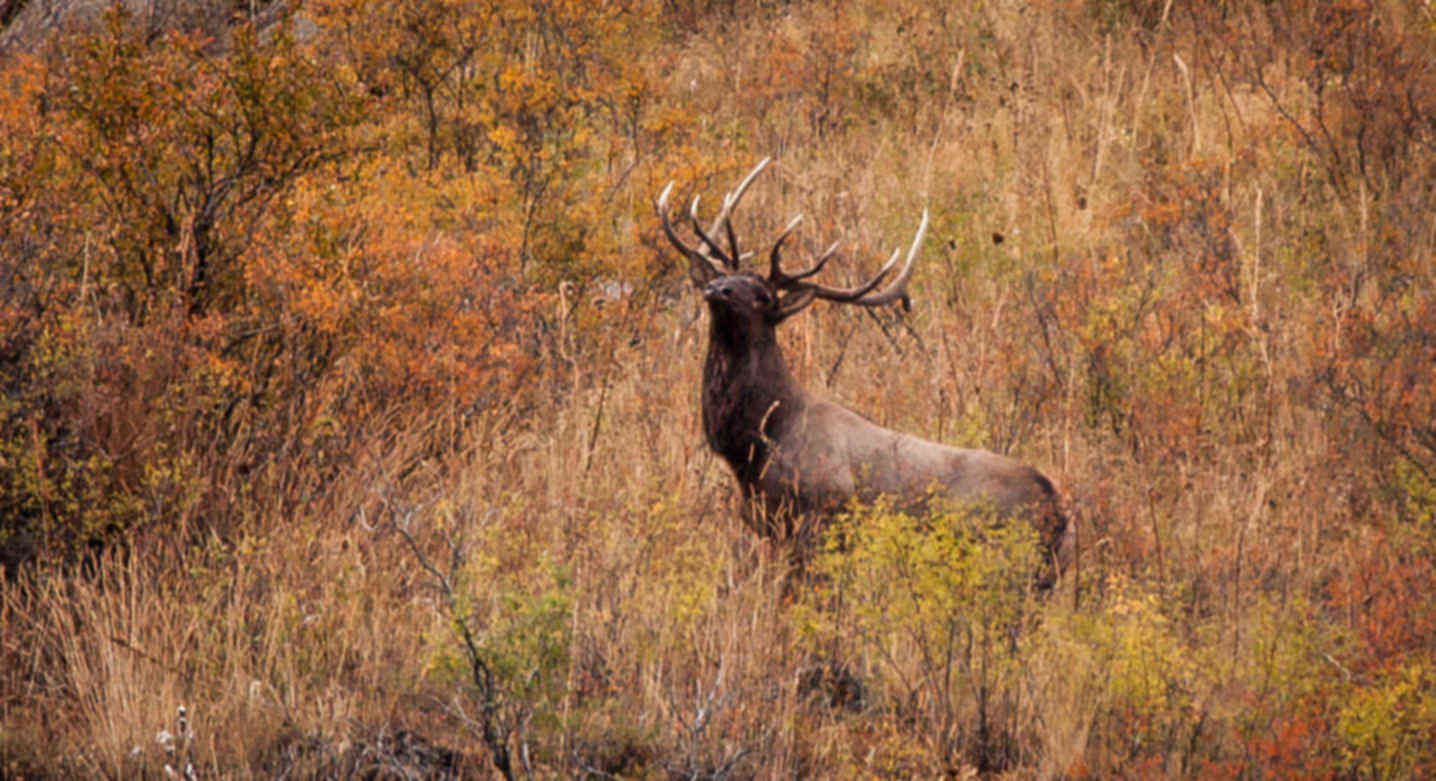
764, 298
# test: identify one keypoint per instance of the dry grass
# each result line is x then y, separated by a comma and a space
1120, 287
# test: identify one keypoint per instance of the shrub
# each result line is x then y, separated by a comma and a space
936, 608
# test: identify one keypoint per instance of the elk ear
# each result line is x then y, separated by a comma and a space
791, 304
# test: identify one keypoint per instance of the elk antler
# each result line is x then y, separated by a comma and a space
709, 260
801, 293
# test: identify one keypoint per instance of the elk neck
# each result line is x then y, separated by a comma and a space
748, 393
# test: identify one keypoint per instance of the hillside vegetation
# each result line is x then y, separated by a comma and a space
350, 388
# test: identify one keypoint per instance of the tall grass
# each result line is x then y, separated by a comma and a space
1153, 272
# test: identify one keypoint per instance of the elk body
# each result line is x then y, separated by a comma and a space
799, 458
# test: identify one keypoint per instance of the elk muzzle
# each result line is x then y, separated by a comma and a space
718, 290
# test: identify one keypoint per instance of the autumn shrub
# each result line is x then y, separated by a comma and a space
934, 611
936, 623
1387, 727
1142, 684
506, 649
538, 99
1170, 313
138, 170
1356, 93
197, 313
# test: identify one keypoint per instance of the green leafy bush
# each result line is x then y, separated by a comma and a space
935, 609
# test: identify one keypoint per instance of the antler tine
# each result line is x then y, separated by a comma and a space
723, 221
782, 279
852, 294
709, 250
730, 200
661, 207
895, 290
775, 270
818, 264
693, 255
731, 263
733, 244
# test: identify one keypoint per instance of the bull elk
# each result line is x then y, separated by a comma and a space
800, 459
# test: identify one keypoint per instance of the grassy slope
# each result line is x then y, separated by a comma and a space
1149, 330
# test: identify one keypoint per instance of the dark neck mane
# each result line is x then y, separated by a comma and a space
746, 386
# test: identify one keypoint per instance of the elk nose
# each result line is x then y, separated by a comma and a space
717, 289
